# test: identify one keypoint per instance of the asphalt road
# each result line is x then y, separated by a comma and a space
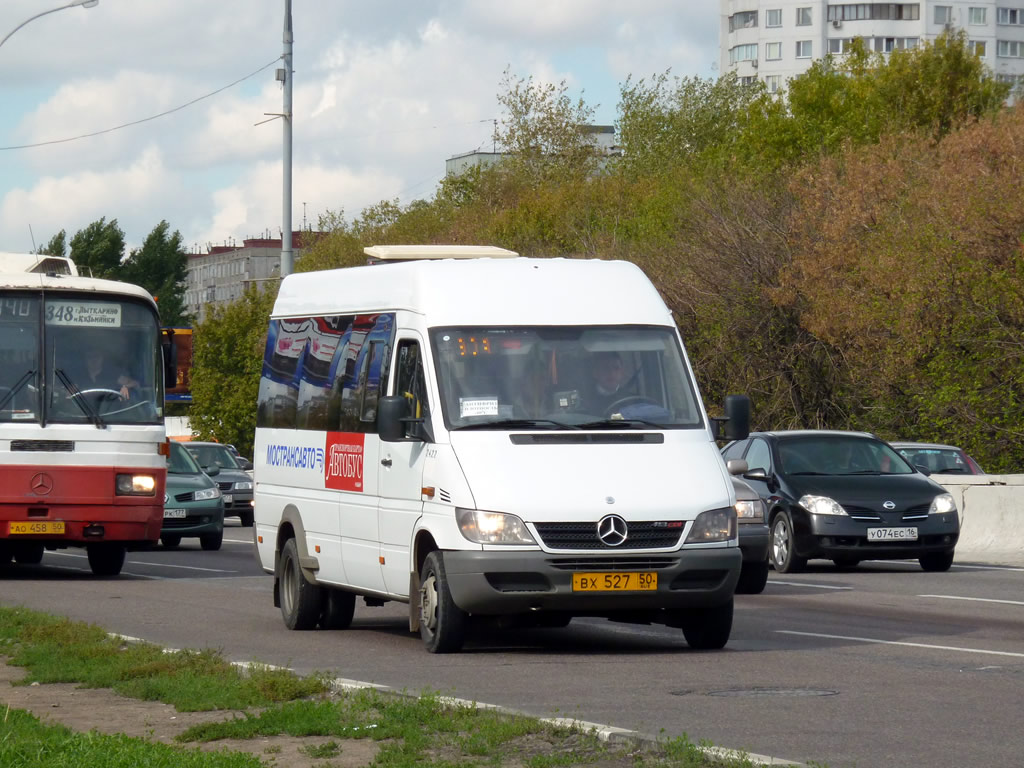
882, 666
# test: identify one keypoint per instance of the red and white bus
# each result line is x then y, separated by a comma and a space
82, 461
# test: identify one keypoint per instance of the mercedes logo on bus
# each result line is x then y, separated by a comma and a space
611, 530
41, 484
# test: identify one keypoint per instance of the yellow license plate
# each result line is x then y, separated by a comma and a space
614, 582
41, 526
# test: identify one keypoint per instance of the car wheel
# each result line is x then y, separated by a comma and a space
300, 600
753, 578
246, 518
337, 609
170, 540
442, 622
846, 563
784, 558
708, 629
105, 559
936, 561
29, 554
211, 541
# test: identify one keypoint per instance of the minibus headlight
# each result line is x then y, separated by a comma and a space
135, 485
713, 525
941, 504
206, 494
492, 527
821, 505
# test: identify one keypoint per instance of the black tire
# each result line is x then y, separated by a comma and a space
753, 578
246, 518
442, 622
6, 553
936, 562
211, 541
105, 559
708, 629
170, 540
846, 563
300, 600
337, 609
783, 544
29, 554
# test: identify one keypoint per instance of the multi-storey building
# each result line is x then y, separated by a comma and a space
774, 40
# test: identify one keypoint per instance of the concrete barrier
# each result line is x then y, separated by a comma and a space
991, 509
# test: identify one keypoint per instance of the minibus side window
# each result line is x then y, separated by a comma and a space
410, 380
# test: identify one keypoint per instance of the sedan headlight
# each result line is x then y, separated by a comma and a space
135, 485
713, 525
492, 527
206, 494
821, 505
243, 485
941, 504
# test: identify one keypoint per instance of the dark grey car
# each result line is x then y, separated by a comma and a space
234, 482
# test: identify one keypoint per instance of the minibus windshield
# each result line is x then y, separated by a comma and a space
564, 377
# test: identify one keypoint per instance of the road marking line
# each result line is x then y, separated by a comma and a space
976, 599
804, 584
896, 642
156, 565
989, 567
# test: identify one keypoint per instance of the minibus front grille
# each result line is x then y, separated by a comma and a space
50, 446
612, 563
643, 535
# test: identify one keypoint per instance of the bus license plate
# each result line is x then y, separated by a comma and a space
892, 534
173, 513
614, 582
42, 526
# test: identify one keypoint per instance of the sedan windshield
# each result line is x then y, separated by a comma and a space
181, 461
840, 455
213, 456
564, 378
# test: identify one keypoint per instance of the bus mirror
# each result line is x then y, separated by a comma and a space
737, 414
170, 355
390, 412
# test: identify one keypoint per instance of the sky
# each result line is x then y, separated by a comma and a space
384, 91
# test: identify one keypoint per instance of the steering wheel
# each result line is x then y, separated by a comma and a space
622, 402
101, 393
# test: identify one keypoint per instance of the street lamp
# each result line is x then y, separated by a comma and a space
83, 3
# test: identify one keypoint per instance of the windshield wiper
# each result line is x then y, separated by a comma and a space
621, 424
79, 398
794, 474
27, 376
519, 424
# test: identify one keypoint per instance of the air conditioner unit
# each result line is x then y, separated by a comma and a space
836, 23
753, 63
948, 26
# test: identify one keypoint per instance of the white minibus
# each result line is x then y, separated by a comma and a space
490, 439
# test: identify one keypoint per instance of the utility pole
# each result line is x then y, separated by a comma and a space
287, 260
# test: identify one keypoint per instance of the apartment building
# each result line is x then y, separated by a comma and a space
774, 40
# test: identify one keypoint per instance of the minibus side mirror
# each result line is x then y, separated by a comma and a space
394, 424
736, 423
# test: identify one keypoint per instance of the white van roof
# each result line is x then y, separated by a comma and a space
412, 252
482, 291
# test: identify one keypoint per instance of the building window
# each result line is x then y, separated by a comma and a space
839, 46
943, 14
743, 20
803, 17
977, 47
864, 11
803, 49
748, 80
743, 53
1010, 49
1010, 16
773, 83
976, 16
772, 51
773, 18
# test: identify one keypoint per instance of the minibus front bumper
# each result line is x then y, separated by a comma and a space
493, 582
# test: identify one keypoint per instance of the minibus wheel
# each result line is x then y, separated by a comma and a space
300, 600
442, 622
708, 629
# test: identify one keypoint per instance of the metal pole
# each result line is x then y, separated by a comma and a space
74, 3
287, 261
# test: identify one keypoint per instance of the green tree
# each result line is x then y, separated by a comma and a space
98, 249
56, 245
161, 267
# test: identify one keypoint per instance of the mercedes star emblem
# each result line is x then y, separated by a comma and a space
611, 530
41, 484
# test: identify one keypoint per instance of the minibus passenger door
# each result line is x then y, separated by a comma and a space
401, 466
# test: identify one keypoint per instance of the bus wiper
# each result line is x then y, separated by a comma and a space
26, 377
519, 424
621, 424
79, 398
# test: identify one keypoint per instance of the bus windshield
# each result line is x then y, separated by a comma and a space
69, 358
564, 377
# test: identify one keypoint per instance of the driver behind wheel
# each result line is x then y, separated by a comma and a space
100, 373
608, 380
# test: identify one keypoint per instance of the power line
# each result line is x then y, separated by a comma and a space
145, 119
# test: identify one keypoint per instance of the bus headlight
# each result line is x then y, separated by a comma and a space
492, 527
135, 485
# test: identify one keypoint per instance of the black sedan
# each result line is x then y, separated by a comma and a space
847, 497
